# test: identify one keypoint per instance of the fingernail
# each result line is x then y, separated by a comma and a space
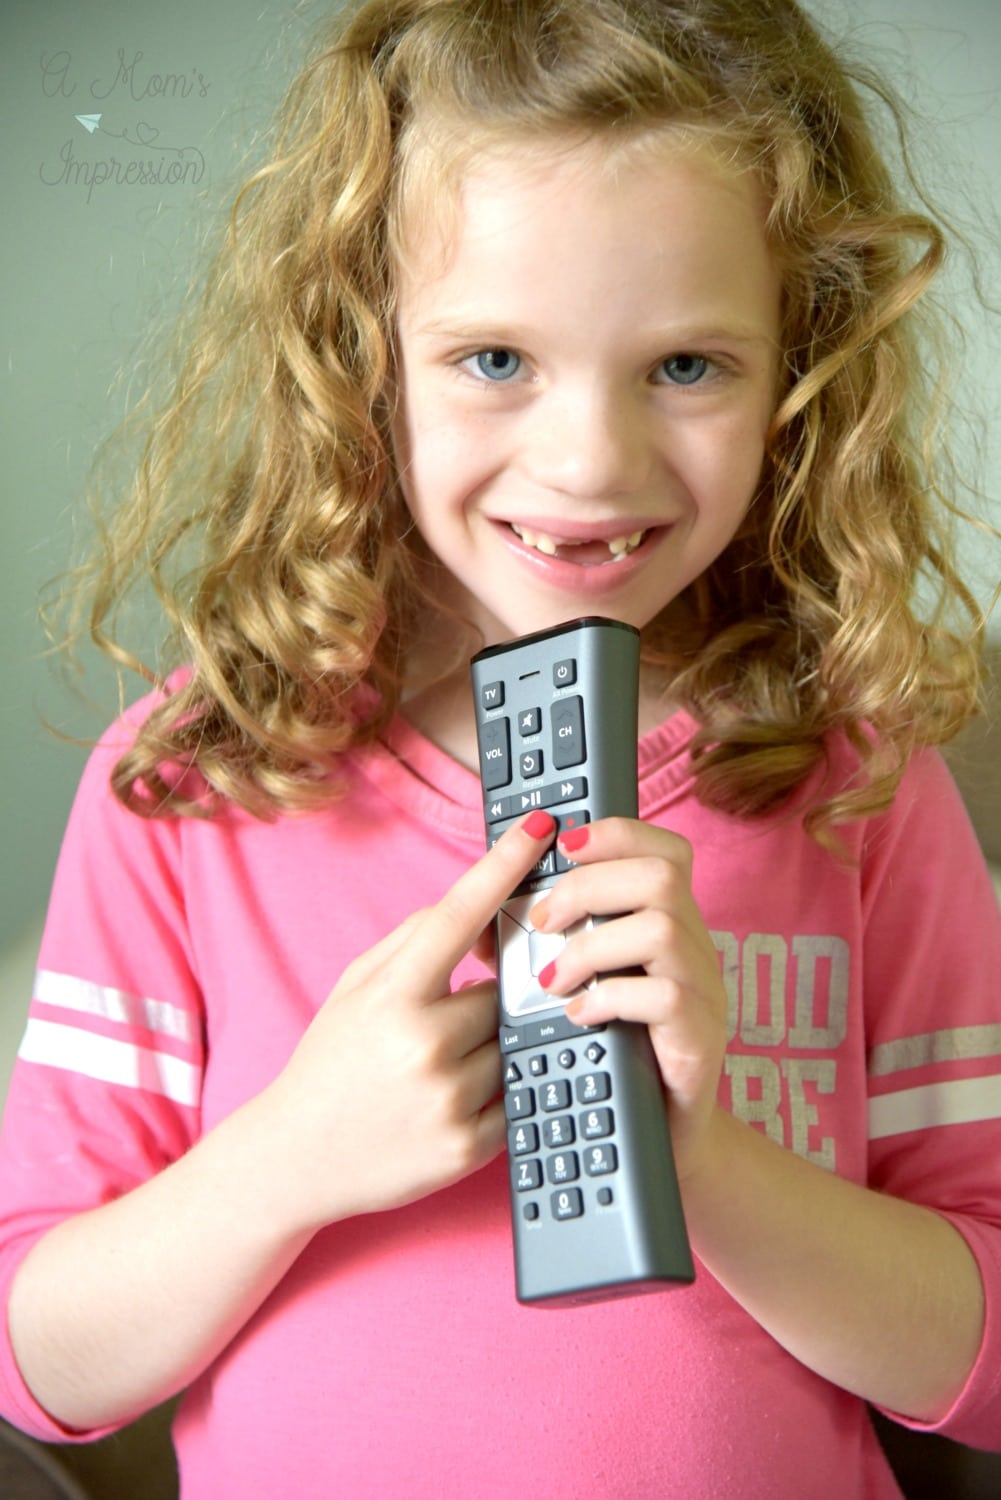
574, 838
575, 1007
538, 916
547, 975
539, 824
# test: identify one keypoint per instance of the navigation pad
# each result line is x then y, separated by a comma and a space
523, 953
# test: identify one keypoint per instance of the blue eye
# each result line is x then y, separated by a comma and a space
684, 369
495, 364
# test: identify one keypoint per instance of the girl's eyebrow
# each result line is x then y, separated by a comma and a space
457, 328
733, 332
488, 332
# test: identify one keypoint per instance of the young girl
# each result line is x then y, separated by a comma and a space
539, 310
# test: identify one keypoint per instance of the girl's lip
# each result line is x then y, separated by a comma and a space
597, 578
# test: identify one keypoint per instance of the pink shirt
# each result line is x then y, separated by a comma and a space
180, 964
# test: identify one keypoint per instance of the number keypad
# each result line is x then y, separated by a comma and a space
540, 1157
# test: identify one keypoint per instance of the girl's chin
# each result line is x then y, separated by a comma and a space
537, 615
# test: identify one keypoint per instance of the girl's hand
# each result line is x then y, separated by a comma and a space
394, 1090
639, 877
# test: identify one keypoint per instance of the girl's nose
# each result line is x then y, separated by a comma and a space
587, 442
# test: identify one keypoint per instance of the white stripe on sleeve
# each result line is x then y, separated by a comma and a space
70, 993
956, 1103
77, 1051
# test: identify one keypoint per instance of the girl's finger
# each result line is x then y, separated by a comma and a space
662, 944
485, 948
470, 1018
613, 887
447, 931
479, 1079
652, 1002
624, 838
688, 1036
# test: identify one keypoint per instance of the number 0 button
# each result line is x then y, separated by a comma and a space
568, 1204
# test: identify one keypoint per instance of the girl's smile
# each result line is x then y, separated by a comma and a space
587, 367
594, 560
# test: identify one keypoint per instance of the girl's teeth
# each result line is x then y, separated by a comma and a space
619, 546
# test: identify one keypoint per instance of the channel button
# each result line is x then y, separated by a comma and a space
568, 733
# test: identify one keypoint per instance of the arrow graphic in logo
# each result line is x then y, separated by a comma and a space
89, 122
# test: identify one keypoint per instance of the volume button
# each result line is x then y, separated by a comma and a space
495, 753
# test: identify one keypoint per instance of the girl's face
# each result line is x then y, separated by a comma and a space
586, 375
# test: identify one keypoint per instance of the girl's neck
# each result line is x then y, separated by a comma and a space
443, 711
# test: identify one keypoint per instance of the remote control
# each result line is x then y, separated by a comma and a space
594, 1196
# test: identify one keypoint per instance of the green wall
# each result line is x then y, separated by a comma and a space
96, 244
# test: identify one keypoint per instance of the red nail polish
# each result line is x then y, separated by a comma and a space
574, 838
546, 975
538, 824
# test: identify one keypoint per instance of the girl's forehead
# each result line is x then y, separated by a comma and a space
445, 150
441, 167
578, 238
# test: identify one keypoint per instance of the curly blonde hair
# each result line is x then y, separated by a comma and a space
266, 512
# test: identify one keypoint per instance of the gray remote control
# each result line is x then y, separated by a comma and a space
594, 1197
